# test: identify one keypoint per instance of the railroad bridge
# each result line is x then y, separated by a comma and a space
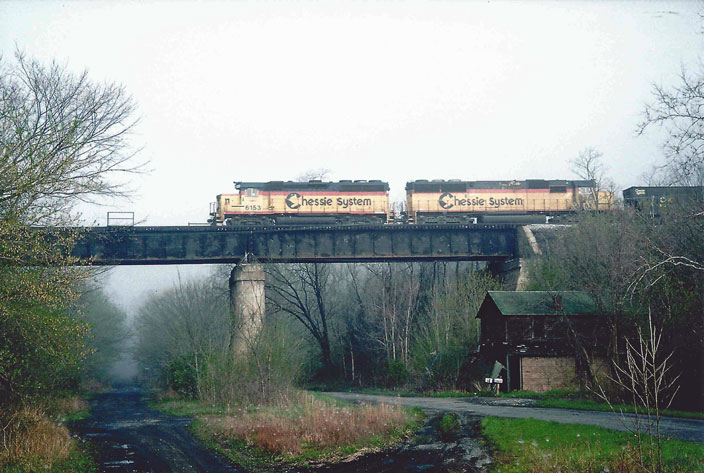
120, 245
501, 246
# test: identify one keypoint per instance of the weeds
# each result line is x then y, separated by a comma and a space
297, 429
646, 378
316, 427
68, 409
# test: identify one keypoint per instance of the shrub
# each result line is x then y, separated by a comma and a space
397, 374
41, 352
182, 376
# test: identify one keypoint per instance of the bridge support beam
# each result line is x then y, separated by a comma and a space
512, 273
248, 304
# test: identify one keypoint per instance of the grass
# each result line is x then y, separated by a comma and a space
310, 429
593, 405
538, 446
191, 408
449, 426
80, 460
34, 438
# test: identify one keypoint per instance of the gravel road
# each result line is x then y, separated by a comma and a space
684, 429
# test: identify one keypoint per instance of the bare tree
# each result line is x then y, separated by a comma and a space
188, 318
300, 290
109, 332
395, 291
679, 111
448, 329
628, 262
62, 139
590, 166
321, 174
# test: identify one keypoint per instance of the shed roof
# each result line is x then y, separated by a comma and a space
536, 303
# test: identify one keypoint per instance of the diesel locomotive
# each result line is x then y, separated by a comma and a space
439, 201
529, 201
303, 203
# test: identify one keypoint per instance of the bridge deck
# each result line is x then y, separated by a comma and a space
198, 245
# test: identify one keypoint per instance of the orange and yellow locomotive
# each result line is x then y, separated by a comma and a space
303, 203
438, 201
528, 201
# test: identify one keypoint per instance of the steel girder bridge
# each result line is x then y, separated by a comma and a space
135, 245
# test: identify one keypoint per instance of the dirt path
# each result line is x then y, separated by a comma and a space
132, 438
684, 429
428, 451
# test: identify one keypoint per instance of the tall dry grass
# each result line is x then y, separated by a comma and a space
318, 425
63, 407
31, 438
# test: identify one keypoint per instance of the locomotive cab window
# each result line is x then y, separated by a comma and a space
251, 192
558, 189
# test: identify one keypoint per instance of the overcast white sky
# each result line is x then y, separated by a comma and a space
370, 90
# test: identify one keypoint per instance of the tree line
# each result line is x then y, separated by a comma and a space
364, 325
63, 139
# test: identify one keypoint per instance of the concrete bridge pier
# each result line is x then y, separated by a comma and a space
248, 305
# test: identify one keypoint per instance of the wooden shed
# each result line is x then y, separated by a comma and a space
536, 335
